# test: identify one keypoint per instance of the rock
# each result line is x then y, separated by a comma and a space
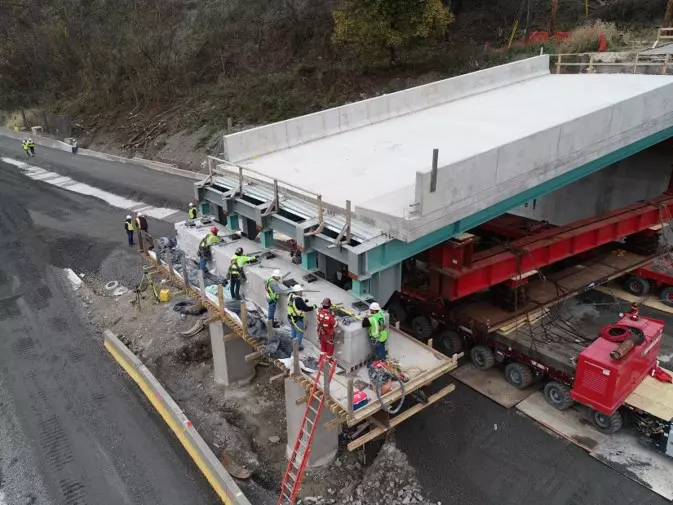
274, 440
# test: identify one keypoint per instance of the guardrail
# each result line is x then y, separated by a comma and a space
663, 34
223, 484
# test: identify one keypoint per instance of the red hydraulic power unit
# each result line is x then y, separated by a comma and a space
615, 364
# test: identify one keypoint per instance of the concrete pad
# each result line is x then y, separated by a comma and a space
570, 424
652, 301
491, 384
620, 451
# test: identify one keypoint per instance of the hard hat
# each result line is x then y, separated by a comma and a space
374, 306
296, 288
140, 214
214, 230
276, 273
239, 250
190, 204
129, 217
326, 303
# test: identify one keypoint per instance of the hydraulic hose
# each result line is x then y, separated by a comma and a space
379, 384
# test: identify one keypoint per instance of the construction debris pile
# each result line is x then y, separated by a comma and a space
390, 480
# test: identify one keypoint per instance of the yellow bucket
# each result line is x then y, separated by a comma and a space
164, 295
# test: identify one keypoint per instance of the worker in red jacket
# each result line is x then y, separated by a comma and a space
326, 327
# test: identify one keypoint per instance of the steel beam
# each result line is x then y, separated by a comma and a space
531, 253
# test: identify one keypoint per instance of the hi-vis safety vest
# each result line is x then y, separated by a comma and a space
292, 310
234, 270
193, 213
377, 327
270, 293
129, 225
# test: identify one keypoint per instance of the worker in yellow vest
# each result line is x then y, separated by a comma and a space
193, 212
297, 306
378, 331
128, 227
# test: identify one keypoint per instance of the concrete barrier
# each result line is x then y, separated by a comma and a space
223, 484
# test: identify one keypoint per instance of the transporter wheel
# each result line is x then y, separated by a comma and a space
637, 286
518, 375
482, 357
397, 312
422, 327
607, 424
449, 343
667, 296
558, 395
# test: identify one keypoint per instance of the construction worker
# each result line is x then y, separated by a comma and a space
141, 225
193, 212
234, 275
128, 226
24, 146
242, 259
297, 306
273, 292
31, 146
378, 330
204, 247
73, 144
326, 327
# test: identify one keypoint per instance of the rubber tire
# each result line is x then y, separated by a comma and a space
637, 286
449, 342
397, 312
607, 424
422, 327
524, 374
667, 296
557, 395
482, 357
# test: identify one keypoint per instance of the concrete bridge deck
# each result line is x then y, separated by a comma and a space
504, 134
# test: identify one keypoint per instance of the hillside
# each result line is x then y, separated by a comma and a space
160, 78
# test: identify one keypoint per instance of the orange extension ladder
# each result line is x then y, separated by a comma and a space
302, 446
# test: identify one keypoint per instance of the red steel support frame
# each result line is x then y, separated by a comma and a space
500, 264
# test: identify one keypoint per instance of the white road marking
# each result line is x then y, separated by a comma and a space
40, 174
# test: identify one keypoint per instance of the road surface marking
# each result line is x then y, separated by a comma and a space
40, 174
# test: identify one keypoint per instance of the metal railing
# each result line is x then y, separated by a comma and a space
281, 189
635, 62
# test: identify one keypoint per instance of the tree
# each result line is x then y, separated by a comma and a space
668, 17
372, 26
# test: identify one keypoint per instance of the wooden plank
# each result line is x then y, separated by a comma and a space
653, 397
278, 378
301, 400
253, 356
376, 432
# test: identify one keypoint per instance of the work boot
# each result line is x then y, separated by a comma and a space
301, 347
275, 324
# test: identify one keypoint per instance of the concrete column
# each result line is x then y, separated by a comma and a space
229, 353
232, 222
266, 239
309, 260
325, 442
204, 208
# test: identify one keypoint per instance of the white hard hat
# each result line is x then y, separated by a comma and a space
190, 204
276, 273
129, 217
296, 288
140, 214
374, 306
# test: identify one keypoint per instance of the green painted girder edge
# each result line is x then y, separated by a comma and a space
395, 251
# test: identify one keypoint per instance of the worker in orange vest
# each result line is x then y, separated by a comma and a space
326, 327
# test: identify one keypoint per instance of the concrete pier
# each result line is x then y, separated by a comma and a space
325, 442
229, 352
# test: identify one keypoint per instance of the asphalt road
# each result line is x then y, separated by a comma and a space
132, 181
74, 428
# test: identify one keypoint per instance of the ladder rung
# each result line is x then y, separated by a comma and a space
312, 409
